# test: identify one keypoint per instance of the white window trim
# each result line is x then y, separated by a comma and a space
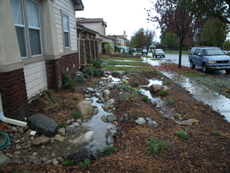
66, 31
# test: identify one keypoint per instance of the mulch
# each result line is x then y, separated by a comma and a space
201, 152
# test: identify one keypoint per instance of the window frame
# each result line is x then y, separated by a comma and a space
63, 33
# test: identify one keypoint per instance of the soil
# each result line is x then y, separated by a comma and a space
201, 152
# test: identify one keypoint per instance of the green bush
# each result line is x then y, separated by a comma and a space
136, 83
166, 82
80, 80
158, 77
62, 125
156, 145
91, 72
170, 101
85, 164
75, 98
97, 63
67, 81
228, 90
94, 86
182, 134
145, 98
217, 134
164, 93
108, 150
77, 114
131, 93
125, 72
52, 101
41, 99
68, 163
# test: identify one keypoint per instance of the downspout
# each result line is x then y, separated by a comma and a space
9, 120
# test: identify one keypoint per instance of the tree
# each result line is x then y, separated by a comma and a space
147, 38
214, 32
136, 39
169, 40
174, 18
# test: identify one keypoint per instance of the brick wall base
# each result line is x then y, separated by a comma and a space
54, 69
14, 96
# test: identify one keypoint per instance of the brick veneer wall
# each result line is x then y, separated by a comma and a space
54, 69
14, 96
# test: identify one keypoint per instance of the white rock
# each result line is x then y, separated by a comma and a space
87, 137
140, 121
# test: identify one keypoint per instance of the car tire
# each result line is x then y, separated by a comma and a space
204, 68
192, 65
163, 56
227, 71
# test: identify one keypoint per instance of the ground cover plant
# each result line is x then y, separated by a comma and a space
156, 145
182, 134
108, 150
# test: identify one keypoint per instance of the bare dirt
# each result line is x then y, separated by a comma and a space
201, 152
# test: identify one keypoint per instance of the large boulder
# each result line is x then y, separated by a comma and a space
78, 77
109, 118
85, 108
109, 104
90, 152
43, 125
42, 140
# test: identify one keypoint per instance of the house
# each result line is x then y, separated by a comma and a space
120, 39
38, 40
99, 25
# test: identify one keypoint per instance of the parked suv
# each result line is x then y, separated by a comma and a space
158, 52
144, 51
209, 58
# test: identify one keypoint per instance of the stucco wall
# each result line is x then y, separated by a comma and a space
65, 7
94, 26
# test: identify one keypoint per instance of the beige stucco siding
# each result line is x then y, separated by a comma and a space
94, 26
122, 41
65, 7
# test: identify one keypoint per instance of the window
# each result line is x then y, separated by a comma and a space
66, 30
33, 28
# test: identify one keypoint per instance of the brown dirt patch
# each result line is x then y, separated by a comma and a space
201, 152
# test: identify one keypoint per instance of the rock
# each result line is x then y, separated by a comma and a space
21, 130
152, 124
102, 83
87, 137
185, 123
124, 118
85, 108
178, 116
71, 129
79, 121
15, 161
111, 131
89, 100
108, 104
108, 118
92, 90
95, 111
117, 73
154, 102
58, 138
106, 93
70, 121
3, 160
14, 129
78, 77
43, 125
36, 161
148, 119
165, 87
194, 121
110, 140
155, 88
42, 140
61, 131
110, 86
140, 121
55, 162
97, 94
90, 152
76, 124
161, 112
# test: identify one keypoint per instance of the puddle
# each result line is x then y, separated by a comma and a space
125, 60
153, 62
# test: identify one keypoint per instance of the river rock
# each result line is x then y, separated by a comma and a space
87, 137
42, 140
71, 129
110, 140
155, 88
58, 138
109, 118
140, 121
111, 131
15, 161
54, 161
106, 93
90, 152
95, 111
148, 119
78, 77
185, 123
76, 124
117, 73
92, 90
108, 104
61, 131
152, 124
3, 160
85, 108
97, 94
110, 86
178, 116
70, 121
124, 118
154, 102
89, 100
43, 125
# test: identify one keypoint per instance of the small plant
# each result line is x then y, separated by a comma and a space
145, 98
52, 101
97, 63
158, 77
131, 93
77, 114
68, 163
41, 99
166, 82
67, 81
85, 164
108, 150
163, 93
228, 90
62, 125
135, 115
75, 98
125, 72
170, 101
156, 145
217, 134
136, 83
94, 86
80, 80
146, 74
182, 134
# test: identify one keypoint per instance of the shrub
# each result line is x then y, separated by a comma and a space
217, 134
166, 82
182, 134
97, 63
68, 163
228, 90
146, 74
94, 86
85, 164
91, 72
156, 145
136, 83
125, 72
77, 114
170, 101
131, 93
80, 80
158, 77
145, 98
164, 93
41, 99
108, 150
75, 98
62, 125
52, 101
67, 81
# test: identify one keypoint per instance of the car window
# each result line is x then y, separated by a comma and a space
192, 50
196, 51
212, 52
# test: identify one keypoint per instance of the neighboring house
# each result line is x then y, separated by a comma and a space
120, 39
99, 25
38, 40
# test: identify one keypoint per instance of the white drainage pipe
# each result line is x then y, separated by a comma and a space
9, 120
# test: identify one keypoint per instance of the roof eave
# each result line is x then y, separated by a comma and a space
78, 5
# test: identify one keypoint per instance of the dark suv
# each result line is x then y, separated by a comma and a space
209, 58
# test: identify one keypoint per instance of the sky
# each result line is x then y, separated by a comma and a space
120, 15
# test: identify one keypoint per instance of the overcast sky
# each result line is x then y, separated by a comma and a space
120, 15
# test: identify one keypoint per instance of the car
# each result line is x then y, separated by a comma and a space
209, 58
158, 52
144, 51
